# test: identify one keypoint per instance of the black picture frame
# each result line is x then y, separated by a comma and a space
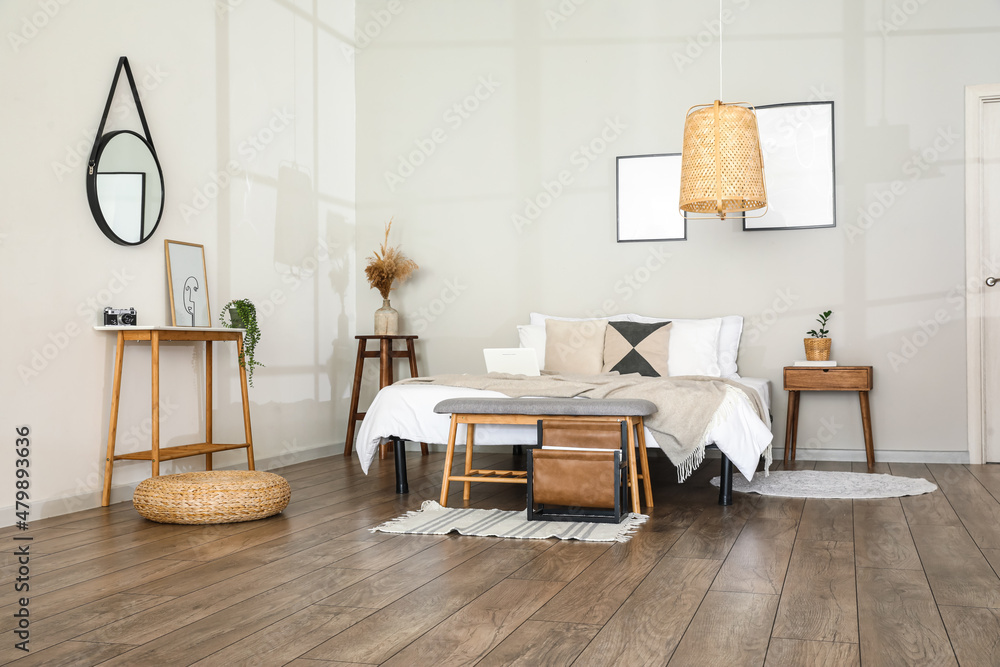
647, 191
798, 146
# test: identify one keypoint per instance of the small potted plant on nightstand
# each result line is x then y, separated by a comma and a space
243, 315
818, 346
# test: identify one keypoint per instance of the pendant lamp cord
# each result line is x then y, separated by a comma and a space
720, 50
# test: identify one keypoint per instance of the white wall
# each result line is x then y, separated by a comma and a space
263, 84
561, 70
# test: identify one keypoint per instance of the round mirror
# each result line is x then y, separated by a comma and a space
125, 188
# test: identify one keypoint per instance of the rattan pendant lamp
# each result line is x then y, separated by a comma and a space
722, 170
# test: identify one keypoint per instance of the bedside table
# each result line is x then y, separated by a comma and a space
835, 378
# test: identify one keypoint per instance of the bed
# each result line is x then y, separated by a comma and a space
699, 348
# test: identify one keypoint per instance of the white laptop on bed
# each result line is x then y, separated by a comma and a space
514, 360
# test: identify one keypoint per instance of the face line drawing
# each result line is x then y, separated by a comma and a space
187, 298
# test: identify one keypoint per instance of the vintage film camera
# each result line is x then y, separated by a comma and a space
116, 317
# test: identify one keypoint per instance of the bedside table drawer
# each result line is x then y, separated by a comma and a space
842, 378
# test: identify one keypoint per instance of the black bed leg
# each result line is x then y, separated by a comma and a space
518, 450
399, 446
726, 482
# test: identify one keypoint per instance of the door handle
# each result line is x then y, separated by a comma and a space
991, 281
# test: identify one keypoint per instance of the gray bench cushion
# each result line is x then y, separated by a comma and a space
579, 407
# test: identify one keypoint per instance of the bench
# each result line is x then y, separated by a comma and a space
473, 411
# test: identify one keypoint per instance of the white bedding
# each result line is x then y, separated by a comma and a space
407, 412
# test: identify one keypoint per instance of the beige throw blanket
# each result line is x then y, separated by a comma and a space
688, 407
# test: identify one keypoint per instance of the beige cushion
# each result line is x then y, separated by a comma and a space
634, 347
575, 347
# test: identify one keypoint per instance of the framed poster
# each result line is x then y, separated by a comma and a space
649, 190
796, 141
187, 282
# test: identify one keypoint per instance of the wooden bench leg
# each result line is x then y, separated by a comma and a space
644, 461
470, 433
448, 457
632, 477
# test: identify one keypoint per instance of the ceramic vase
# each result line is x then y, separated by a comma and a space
386, 320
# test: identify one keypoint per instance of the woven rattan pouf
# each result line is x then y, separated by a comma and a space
214, 496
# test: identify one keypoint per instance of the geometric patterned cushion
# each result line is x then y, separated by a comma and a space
636, 347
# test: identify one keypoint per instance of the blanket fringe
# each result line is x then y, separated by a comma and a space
629, 526
725, 411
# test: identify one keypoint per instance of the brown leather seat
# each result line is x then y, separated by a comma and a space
577, 473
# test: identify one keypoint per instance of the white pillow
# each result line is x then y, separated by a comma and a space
533, 336
539, 318
729, 339
694, 345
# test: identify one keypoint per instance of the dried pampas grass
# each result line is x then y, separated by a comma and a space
391, 266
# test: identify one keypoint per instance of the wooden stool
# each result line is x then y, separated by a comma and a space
385, 355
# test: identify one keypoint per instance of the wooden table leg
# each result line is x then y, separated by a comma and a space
470, 432
640, 430
866, 422
113, 423
791, 425
208, 402
449, 456
246, 404
352, 416
155, 346
411, 352
795, 424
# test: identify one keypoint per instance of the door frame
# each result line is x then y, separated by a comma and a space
975, 97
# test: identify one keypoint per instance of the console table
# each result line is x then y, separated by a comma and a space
155, 335
833, 378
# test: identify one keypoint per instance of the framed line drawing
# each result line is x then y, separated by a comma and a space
187, 282
648, 192
797, 143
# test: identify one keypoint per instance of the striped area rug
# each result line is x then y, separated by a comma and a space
432, 519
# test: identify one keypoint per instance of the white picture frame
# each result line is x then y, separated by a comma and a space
797, 144
648, 195
187, 283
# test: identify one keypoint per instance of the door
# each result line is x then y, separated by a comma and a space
983, 270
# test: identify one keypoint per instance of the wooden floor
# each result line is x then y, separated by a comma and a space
909, 581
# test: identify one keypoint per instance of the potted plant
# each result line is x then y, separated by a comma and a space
383, 271
243, 315
818, 346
